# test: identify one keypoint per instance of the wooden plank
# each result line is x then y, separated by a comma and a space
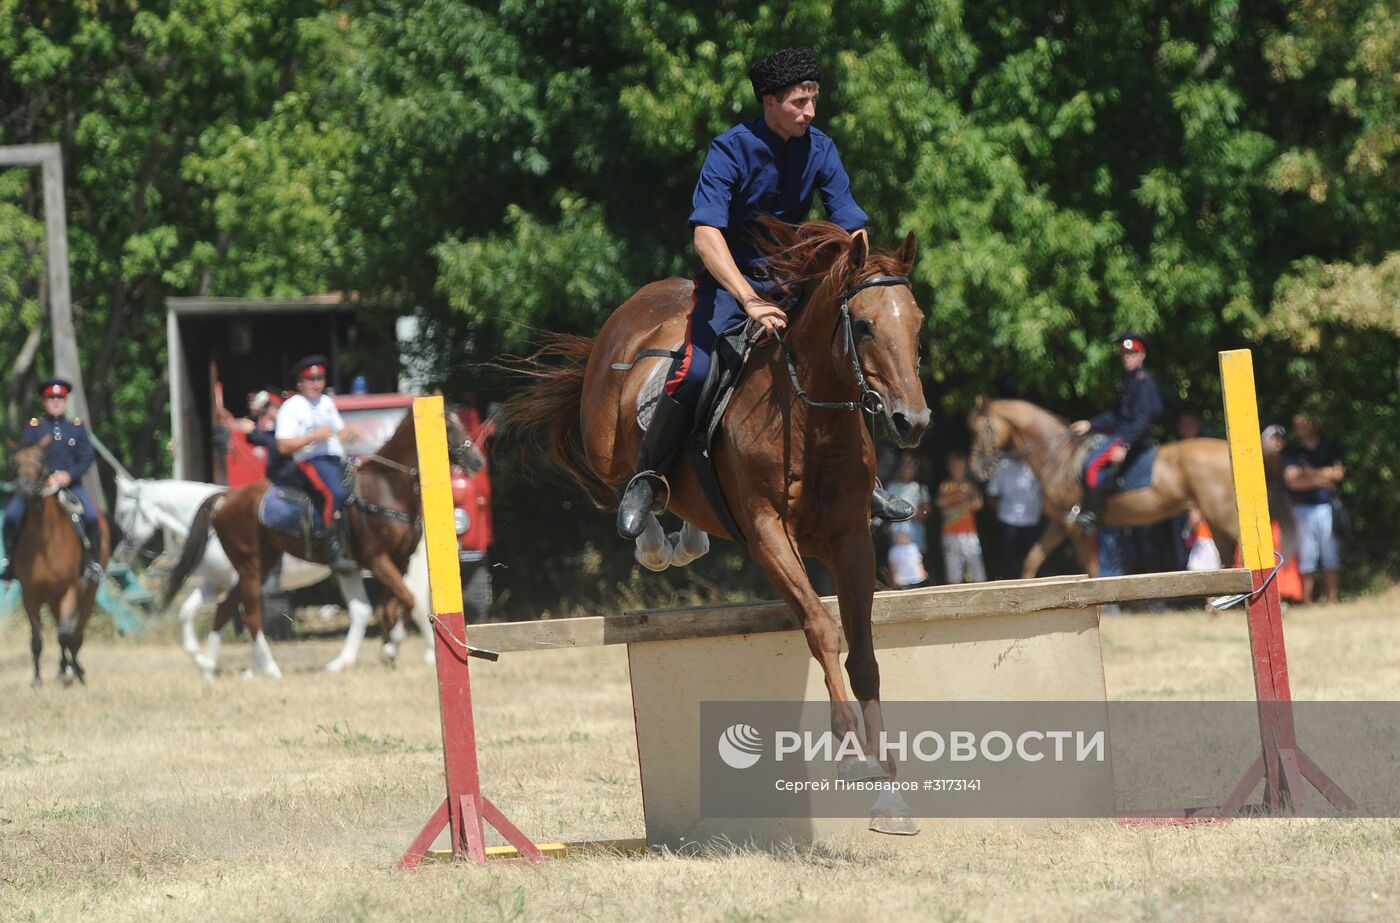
1008, 597
27, 155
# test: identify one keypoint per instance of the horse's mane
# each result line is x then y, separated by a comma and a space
809, 254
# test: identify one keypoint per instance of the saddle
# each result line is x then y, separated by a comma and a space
291, 511
1134, 474
727, 361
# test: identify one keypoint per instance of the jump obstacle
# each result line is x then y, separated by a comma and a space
1021, 640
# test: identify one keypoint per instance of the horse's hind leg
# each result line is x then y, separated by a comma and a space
208, 662
87, 601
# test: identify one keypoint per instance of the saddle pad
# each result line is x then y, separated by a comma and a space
289, 511
651, 389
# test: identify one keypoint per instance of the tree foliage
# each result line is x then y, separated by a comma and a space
1209, 172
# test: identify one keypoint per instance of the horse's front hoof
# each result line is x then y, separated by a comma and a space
859, 770
389, 656
890, 816
67, 679
337, 665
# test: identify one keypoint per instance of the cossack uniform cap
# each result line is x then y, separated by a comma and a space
55, 387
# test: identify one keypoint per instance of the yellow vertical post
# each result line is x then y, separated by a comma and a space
1247, 459
435, 478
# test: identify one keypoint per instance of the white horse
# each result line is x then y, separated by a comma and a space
147, 506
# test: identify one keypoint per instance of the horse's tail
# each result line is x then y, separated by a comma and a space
547, 411
193, 552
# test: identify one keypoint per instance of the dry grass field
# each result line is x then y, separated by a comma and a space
151, 794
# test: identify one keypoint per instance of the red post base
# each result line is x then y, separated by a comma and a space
465, 811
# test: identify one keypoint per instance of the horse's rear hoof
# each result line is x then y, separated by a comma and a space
67, 679
890, 816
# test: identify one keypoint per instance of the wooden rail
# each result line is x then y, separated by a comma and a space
969, 600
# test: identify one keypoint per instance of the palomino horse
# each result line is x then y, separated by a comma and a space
793, 454
385, 528
1192, 472
48, 563
145, 507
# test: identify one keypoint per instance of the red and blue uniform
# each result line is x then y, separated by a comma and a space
749, 172
1129, 421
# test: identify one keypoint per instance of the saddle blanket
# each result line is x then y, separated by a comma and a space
1135, 474
289, 511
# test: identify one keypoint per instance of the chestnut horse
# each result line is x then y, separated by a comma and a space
1192, 472
384, 523
797, 475
48, 563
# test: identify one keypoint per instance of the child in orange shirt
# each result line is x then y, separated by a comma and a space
959, 499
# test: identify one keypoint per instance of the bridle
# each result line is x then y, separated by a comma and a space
870, 400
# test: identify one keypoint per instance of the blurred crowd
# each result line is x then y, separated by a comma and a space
962, 532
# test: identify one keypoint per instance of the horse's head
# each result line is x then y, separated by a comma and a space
883, 329
462, 448
991, 434
132, 519
31, 470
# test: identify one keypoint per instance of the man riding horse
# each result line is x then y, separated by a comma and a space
771, 165
67, 456
1128, 423
309, 429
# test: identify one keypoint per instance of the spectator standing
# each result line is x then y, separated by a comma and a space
1312, 472
1018, 512
959, 499
905, 559
909, 489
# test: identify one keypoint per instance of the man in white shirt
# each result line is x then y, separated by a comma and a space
309, 428
1018, 512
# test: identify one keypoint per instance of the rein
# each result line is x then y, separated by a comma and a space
870, 400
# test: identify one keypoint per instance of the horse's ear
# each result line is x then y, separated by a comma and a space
907, 251
981, 403
860, 249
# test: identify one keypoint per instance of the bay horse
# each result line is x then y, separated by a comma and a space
146, 507
48, 563
1192, 472
793, 454
385, 527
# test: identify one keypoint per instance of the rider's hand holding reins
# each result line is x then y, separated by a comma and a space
1080, 427
768, 315
59, 479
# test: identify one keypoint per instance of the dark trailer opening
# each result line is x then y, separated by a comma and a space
246, 345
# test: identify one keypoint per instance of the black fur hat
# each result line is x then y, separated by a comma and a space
783, 69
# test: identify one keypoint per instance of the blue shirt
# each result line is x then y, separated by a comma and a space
1139, 406
750, 171
70, 449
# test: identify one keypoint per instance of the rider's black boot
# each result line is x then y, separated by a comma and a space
662, 442
337, 541
92, 567
1088, 515
12, 527
885, 505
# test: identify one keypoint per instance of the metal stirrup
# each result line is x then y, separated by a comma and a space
654, 475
